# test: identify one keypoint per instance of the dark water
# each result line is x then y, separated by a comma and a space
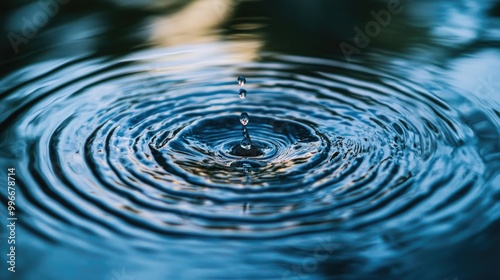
125, 134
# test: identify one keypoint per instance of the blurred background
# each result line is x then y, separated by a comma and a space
435, 31
463, 35
457, 34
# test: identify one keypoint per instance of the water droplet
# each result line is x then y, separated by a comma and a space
244, 119
243, 93
245, 132
241, 81
245, 144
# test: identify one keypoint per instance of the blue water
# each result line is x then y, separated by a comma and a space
126, 137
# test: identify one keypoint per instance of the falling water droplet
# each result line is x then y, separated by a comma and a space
241, 81
244, 119
245, 132
243, 93
246, 144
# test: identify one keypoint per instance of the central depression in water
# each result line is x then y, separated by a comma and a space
145, 145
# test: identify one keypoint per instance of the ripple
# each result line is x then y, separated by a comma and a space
338, 147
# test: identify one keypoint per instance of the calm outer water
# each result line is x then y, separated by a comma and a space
123, 126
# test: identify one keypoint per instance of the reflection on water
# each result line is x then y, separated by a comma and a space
124, 122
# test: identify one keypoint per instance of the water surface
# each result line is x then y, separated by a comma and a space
381, 167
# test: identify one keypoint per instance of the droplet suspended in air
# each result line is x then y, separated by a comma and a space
242, 81
244, 119
246, 144
245, 132
242, 93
